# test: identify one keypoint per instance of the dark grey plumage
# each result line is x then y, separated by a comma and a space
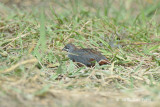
85, 56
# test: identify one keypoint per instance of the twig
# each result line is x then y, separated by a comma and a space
12, 40
141, 43
18, 64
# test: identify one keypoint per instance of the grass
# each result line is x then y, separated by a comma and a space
35, 72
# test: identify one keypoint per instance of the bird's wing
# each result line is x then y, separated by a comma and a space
90, 54
88, 57
89, 51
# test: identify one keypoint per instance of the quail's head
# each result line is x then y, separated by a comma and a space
69, 47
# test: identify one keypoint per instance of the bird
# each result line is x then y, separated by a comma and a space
85, 56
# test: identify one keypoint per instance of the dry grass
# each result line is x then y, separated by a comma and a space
34, 72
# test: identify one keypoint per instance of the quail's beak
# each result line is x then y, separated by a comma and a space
64, 49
